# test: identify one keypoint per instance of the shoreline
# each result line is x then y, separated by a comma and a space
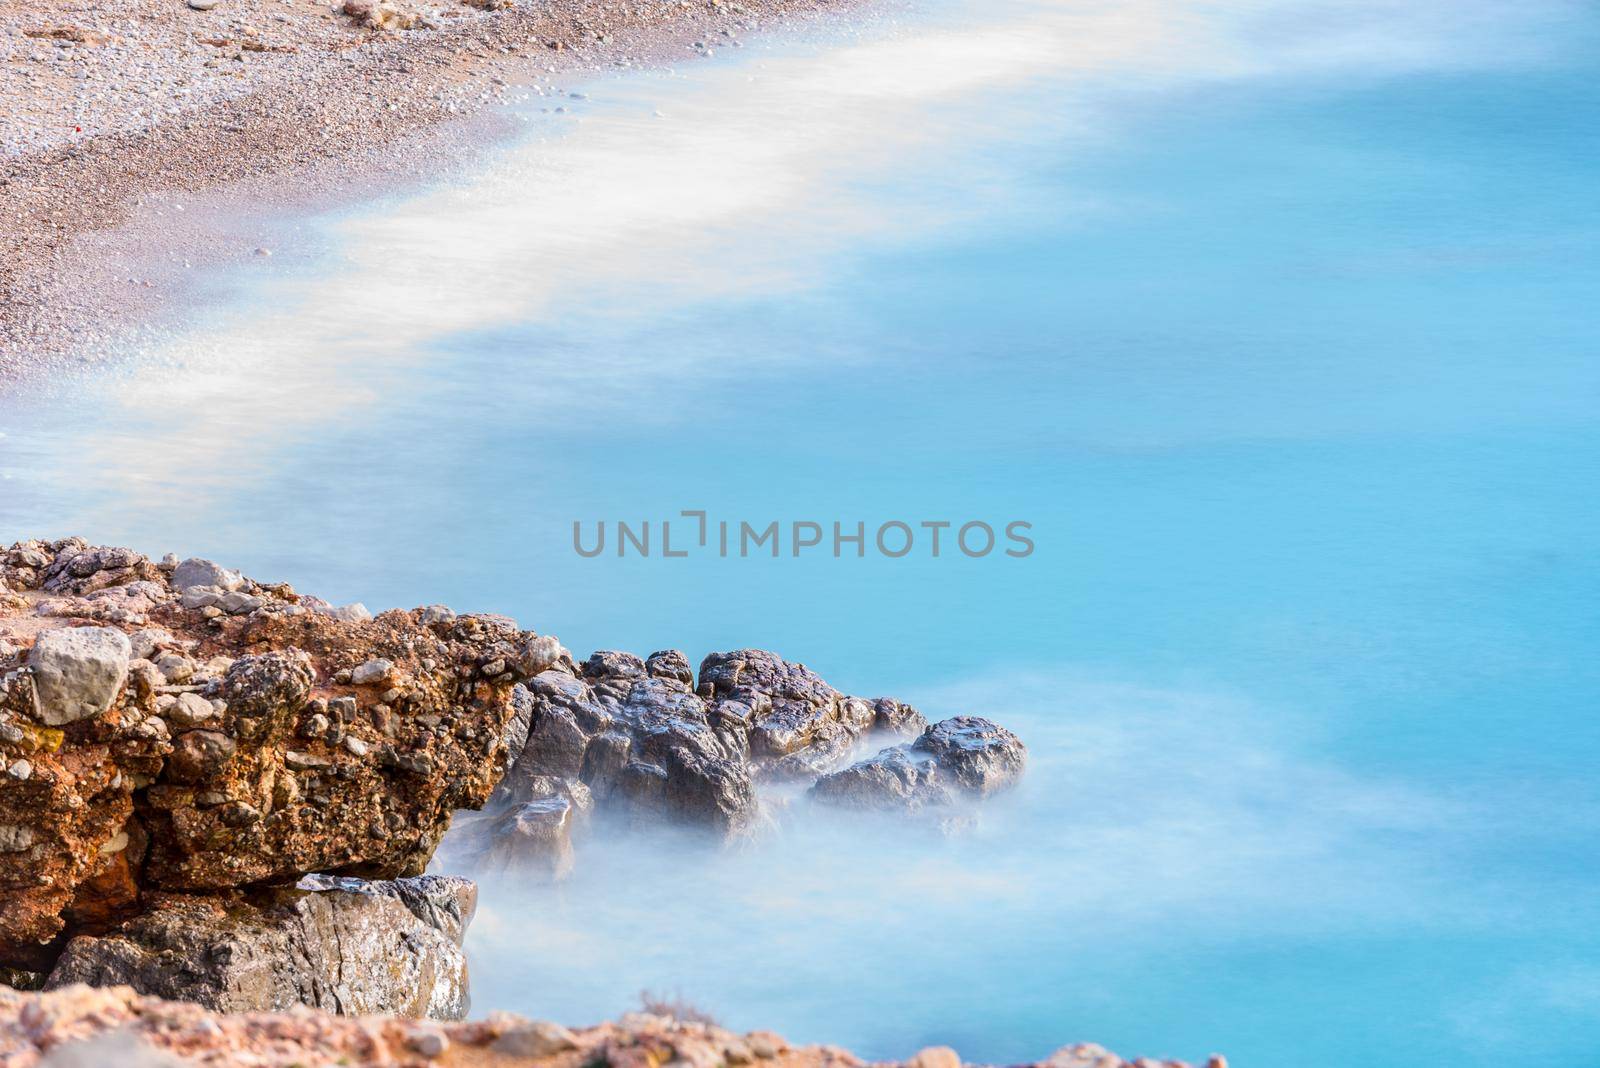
223, 802
349, 113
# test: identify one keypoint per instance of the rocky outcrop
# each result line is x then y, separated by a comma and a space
341, 945
117, 1026
174, 727
961, 757
642, 740
181, 745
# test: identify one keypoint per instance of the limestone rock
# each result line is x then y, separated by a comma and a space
346, 949
236, 758
77, 672
197, 572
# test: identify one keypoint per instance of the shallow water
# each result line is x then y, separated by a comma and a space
1274, 320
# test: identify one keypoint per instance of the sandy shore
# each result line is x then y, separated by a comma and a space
111, 110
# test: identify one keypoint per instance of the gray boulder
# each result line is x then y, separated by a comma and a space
794, 724
198, 572
446, 903
980, 755
648, 744
640, 741
533, 839
962, 757
350, 949
77, 673
894, 779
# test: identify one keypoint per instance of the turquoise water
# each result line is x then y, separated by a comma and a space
1276, 322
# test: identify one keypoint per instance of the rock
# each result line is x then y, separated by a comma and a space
15, 838
651, 746
77, 673
444, 902
374, 672
670, 664
642, 744
194, 571
515, 735
190, 710
77, 568
965, 756
892, 718
982, 756
202, 5
540, 654
536, 1038
380, 15
895, 778
427, 1043
935, 1057
238, 766
199, 757
533, 839
342, 949
35, 1026
145, 643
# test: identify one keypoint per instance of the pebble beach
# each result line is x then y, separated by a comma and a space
109, 107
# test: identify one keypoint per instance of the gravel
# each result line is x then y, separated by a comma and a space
115, 111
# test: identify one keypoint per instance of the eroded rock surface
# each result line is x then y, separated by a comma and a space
646, 742
180, 744
342, 945
961, 757
176, 727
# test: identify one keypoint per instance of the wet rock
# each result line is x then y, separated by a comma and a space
642, 743
533, 839
895, 778
345, 949
650, 746
795, 725
893, 718
961, 757
77, 672
982, 756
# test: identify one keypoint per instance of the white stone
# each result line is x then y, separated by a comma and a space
372, 672
198, 572
77, 673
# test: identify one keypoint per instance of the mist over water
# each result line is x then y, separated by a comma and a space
1274, 319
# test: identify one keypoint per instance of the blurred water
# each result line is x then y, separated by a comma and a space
1276, 321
